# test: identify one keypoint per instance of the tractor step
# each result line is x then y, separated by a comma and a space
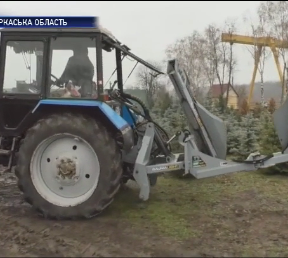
5, 152
8, 153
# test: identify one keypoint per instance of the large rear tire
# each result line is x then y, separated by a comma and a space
69, 167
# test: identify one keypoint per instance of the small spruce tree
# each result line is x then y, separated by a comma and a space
248, 138
258, 109
272, 105
244, 108
269, 141
208, 103
233, 134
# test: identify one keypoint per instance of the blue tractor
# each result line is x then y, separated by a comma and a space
73, 143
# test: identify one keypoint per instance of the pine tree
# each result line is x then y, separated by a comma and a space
248, 138
244, 108
216, 109
208, 103
272, 105
156, 113
269, 141
258, 109
233, 134
221, 104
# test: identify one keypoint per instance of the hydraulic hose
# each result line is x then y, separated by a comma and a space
158, 139
146, 111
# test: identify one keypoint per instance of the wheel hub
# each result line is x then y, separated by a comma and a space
67, 170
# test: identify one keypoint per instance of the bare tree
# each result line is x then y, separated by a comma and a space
230, 27
216, 53
259, 53
190, 51
275, 13
220, 54
205, 58
149, 81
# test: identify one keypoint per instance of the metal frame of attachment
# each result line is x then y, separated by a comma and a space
196, 163
206, 131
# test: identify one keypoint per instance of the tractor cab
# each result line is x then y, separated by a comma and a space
47, 61
54, 63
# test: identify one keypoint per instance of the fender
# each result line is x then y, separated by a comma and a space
114, 118
129, 116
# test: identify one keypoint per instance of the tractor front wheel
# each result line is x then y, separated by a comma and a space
69, 167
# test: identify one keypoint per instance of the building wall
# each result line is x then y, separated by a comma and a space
232, 99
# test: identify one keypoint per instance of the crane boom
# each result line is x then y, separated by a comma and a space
260, 42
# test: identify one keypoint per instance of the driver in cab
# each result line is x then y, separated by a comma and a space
79, 70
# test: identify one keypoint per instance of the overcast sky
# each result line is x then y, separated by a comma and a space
149, 27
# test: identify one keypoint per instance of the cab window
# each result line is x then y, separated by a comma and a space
23, 67
73, 67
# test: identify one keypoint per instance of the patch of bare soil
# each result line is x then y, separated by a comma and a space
23, 233
182, 219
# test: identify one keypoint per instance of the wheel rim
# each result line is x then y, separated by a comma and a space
65, 170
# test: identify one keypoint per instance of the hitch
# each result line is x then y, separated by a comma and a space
255, 158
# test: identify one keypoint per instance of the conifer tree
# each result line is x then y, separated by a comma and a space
233, 134
269, 141
247, 136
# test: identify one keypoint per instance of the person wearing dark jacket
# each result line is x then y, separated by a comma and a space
79, 70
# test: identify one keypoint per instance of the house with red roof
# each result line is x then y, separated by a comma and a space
216, 90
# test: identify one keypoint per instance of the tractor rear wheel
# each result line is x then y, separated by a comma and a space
69, 167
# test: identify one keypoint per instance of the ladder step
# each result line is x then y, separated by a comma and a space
5, 152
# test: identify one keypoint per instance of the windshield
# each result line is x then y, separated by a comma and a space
130, 63
110, 73
23, 69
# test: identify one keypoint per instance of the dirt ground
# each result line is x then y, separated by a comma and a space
244, 214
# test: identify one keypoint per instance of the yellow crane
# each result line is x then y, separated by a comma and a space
259, 42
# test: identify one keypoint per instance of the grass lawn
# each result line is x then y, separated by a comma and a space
243, 213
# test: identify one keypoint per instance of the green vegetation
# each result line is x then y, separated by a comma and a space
212, 209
